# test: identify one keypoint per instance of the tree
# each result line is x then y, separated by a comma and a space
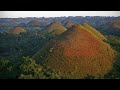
30, 70
6, 69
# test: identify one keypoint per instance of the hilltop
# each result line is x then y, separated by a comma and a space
36, 23
68, 24
55, 27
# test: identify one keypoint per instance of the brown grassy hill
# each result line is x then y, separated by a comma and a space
77, 53
17, 30
116, 25
93, 30
55, 27
34, 23
68, 24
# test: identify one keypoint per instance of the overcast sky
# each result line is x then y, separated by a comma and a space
15, 14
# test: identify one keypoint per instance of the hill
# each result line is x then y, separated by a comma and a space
116, 25
77, 53
55, 27
68, 24
36, 23
17, 30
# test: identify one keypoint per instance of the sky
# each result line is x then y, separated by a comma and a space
16, 14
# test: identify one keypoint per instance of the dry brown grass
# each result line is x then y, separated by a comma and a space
34, 23
69, 24
55, 27
116, 25
17, 30
93, 30
77, 53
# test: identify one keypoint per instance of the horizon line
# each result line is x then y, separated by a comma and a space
47, 14
57, 16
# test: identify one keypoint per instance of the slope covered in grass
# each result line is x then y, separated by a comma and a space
34, 23
17, 30
68, 24
55, 27
116, 25
93, 30
77, 53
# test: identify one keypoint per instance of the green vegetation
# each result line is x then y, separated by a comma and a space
30, 70
14, 46
7, 69
12, 49
114, 41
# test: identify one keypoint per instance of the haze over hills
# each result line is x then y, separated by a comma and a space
77, 53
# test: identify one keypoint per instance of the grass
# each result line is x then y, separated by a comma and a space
77, 53
69, 24
55, 27
116, 25
17, 30
93, 30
